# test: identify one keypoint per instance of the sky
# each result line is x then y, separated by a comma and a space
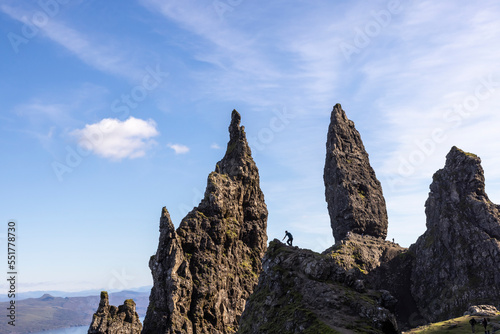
113, 109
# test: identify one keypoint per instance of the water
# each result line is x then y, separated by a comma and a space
72, 330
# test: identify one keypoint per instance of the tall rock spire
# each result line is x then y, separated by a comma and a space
353, 193
204, 272
457, 258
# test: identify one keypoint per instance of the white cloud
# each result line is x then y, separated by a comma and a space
114, 139
178, 148
215, 146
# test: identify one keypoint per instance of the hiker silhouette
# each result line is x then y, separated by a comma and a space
290, 238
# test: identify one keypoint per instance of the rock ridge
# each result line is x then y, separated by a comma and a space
301, 291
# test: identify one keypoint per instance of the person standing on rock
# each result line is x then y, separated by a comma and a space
473, 323
290, 238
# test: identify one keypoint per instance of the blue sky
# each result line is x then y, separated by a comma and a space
113, 109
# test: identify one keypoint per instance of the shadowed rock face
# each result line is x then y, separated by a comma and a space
110, 319
457, 258
353, 193
301, 291
204, 272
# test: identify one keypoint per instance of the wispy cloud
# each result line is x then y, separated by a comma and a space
254, 65
114, 139
428, 58
428, 84
178, 148
103, 56
215, 146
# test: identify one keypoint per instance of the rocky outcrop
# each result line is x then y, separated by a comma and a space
457, 258
204, 271
482, 311
364, 253
109, 319
353, 193
301, 291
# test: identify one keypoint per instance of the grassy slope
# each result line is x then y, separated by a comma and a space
457, 326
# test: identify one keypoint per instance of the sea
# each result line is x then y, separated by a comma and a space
71, 330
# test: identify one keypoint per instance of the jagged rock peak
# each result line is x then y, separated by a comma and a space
462, 172
457, 256
236, 132
237, 161
204, 271
109, 319
353, 192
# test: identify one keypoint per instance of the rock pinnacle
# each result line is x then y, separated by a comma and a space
353, 193
458, 255
204, 271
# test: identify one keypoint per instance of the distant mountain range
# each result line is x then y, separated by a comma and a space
56, 309
56, 293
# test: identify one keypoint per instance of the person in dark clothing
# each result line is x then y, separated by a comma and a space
473, 323
290, 238
485, 324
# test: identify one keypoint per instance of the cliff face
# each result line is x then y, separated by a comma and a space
204, 271
353, 193
301, 291
457, 258
110, 319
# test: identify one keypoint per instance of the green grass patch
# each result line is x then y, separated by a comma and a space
459, 325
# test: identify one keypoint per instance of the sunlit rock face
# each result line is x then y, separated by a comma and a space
204, 271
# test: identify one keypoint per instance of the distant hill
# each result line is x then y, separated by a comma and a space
50, 312
57, 293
